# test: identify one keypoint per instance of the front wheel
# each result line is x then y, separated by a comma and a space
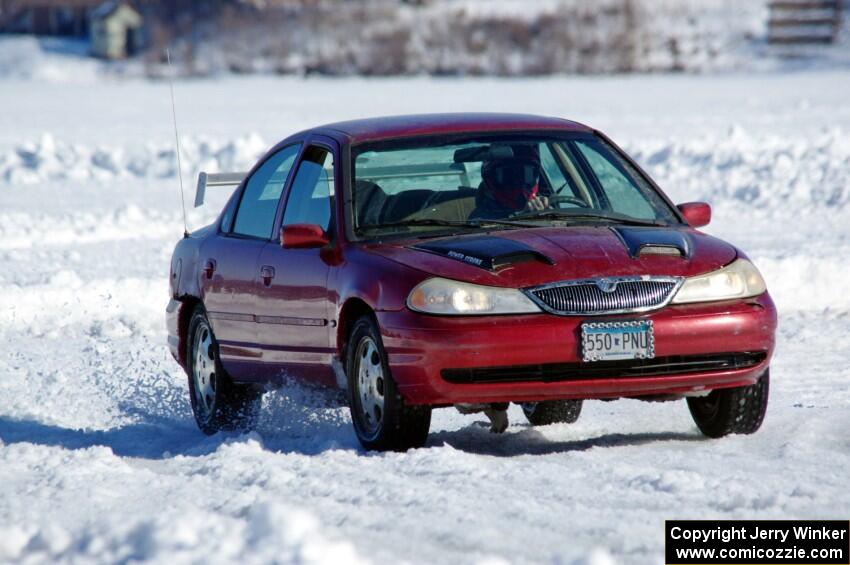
727, 411
217, 402
552, 412
382, 421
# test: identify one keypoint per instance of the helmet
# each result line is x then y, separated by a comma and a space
511, 182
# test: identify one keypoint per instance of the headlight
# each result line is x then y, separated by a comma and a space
444, 296
739, 279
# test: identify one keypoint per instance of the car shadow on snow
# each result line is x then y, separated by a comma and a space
296, 419
149, 440
300, 420
477, 439
168, 438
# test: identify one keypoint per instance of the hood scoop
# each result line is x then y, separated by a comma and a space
487, 252
654, 241
659, 250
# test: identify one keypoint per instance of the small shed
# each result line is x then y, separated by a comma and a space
116, 30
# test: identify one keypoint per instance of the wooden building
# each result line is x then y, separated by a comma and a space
116, 30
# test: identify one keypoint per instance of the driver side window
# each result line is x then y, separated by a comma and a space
310, 199
258, 206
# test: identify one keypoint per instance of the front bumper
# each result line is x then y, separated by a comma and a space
424, 350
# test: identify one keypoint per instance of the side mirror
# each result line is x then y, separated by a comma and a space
303, 236
697, 214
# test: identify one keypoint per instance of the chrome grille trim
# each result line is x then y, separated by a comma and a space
586, 297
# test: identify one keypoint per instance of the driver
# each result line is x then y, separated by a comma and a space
509, 185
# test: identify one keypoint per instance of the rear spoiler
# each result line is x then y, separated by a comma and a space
215, 179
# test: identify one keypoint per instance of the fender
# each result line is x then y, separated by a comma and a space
381, 283
365, 283
184, 269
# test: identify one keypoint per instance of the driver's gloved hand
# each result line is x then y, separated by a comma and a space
537, 203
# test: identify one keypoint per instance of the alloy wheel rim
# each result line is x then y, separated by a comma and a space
203, 371
371, 383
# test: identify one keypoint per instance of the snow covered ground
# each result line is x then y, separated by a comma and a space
100, 460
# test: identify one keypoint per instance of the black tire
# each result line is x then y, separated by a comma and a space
386, 423
226, 405
552, 412
727, 411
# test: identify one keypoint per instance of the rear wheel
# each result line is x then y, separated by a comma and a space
552, 412
727, 411
217, 402
382, 421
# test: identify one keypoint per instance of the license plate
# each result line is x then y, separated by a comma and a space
610, 341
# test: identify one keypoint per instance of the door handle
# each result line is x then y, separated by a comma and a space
209, 268
267, 274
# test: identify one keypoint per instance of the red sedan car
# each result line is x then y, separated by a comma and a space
470, 260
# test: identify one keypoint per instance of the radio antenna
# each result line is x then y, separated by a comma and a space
176, 141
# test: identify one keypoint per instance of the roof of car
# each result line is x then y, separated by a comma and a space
387, 127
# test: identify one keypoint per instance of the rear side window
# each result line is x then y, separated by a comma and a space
258, 206
311, 196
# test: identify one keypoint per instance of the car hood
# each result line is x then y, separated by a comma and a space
529, 257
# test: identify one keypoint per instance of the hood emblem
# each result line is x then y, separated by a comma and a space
606, 285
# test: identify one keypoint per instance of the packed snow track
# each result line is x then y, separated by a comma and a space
101, 461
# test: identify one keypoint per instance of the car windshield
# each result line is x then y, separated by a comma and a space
498, 181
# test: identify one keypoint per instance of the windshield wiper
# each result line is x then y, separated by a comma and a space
476, 224
552, 215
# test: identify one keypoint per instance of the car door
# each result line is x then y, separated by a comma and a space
229, 261
293, 303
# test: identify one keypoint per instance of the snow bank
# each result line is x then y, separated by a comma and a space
65, 305
267, 533
48, 59
770, 172
49, 159
129, 222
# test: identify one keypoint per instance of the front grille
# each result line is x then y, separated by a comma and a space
605, 296
629, 368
